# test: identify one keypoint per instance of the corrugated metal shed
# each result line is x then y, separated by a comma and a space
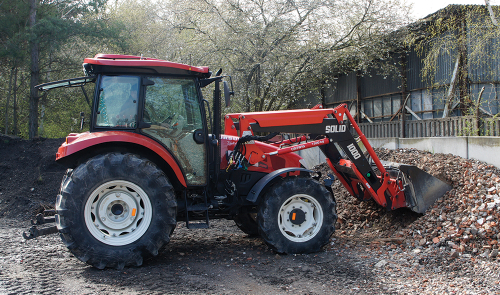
414, 65
479, 69
382, 95
373, 84
342, 89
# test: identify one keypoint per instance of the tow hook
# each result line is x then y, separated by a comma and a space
35, 232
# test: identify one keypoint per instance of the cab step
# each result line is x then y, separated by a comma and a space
199, 209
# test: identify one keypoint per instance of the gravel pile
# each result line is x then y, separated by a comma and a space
464, 222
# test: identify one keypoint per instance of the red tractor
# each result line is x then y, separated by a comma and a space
154, 156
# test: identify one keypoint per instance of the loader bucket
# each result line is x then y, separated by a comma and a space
422, 189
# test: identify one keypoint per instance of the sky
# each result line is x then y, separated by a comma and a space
422, 8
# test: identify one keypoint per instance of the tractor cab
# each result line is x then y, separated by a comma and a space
158, 99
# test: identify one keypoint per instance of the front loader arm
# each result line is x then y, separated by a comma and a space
330, 131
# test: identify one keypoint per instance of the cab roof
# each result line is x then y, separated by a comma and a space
115, 63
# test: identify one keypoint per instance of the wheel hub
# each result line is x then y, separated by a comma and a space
300, 218
297, 216
117, 209
118, 212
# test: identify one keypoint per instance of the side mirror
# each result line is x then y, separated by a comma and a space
227, 94
147, 82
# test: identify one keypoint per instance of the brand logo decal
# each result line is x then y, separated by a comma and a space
335, 128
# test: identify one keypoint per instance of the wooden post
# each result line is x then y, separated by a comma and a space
451, 90
476, 113
463, 71
358, 96
404, 81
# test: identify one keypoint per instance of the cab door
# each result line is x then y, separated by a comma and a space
172, 108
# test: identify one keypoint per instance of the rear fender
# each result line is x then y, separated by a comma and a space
255, 193
77, 142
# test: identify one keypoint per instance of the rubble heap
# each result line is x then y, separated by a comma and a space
465, 220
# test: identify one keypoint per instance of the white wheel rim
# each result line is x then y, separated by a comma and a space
300, 230
118, 213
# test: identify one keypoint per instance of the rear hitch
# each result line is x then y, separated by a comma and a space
40, 219
35, 232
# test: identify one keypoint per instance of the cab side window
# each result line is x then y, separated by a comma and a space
118, 101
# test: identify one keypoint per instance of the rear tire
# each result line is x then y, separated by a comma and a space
297, 216
246, 221
115, 209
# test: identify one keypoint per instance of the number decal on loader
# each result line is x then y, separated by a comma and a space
354, 151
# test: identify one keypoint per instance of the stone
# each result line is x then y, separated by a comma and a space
494, 253
454, 254
381, 263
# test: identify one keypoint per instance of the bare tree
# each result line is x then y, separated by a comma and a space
279, 51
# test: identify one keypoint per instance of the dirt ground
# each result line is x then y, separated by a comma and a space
222, 259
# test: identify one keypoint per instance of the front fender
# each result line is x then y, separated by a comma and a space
254, 194
76, 142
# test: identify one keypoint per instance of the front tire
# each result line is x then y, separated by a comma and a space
115, 209
297, 216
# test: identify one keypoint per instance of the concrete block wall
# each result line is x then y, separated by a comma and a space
482, 148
